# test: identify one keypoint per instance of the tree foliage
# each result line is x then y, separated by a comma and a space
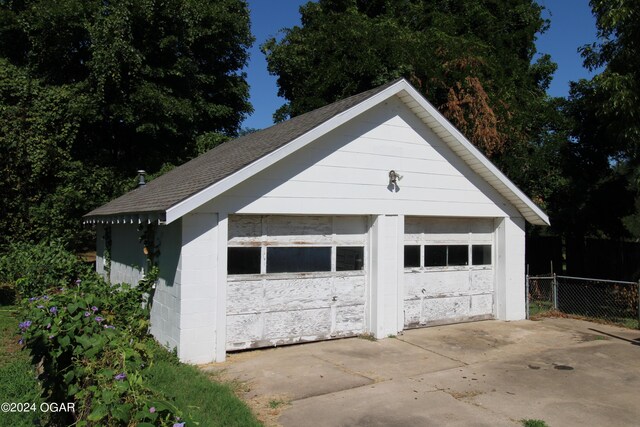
474, 60
91, 91
603, 159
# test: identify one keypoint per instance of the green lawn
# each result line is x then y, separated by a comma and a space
17, 376
208, 402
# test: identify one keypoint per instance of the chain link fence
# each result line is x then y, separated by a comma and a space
612, 301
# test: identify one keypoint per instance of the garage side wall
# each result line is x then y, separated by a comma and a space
127, 257
165, 311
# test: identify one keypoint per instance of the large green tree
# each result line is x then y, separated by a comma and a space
603, 159
92, 90
472, 59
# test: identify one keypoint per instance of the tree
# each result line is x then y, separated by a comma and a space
605, 152
91, 91
471, 59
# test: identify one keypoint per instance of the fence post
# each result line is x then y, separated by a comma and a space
554, 291
526, 289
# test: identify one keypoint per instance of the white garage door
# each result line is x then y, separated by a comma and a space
449, 274
293, 279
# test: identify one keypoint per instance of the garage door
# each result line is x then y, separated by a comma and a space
293, 279
449, 273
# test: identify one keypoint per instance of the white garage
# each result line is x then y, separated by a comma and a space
370, 215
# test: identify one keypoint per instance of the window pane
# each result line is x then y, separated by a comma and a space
412, 256
298, 259
243, 260
458, 255
349, 258
435, 256
481, 254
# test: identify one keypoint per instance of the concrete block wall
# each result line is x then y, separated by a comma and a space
127, 257
197, 275
165, 311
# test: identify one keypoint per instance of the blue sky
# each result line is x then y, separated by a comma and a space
572, 25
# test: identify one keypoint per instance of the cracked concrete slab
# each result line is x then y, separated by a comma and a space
565, 372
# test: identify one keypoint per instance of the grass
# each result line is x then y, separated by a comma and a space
17, 377
534, 423
367, 336
208, 402
537, 307
276, 403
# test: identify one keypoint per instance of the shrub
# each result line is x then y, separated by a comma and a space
33, 268
91, 343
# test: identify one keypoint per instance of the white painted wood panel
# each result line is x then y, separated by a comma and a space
346, 172
277, 230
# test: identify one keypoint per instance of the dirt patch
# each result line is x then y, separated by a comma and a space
463, 395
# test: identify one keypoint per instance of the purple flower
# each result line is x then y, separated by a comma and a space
21, 341
53, 309
32, 299
94, 308
120, 377
25, 325
78, 281
178, 425
152, 409
45, 297
50, 337
87, 314
109, 327
99, 319
48, 325
39, 306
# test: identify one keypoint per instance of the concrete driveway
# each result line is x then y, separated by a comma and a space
565, 372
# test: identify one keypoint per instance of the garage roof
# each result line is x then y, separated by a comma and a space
194, 183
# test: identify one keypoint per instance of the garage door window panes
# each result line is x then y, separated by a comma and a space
481, 254
411, 256
349, 258
446, 255
243, 260
298, 259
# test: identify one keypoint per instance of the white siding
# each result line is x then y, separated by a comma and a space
346, 172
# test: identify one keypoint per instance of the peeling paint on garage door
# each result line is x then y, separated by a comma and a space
295, 278
449, 274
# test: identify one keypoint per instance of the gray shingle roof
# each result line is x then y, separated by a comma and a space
222, 161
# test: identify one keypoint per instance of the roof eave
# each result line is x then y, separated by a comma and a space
125, 218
